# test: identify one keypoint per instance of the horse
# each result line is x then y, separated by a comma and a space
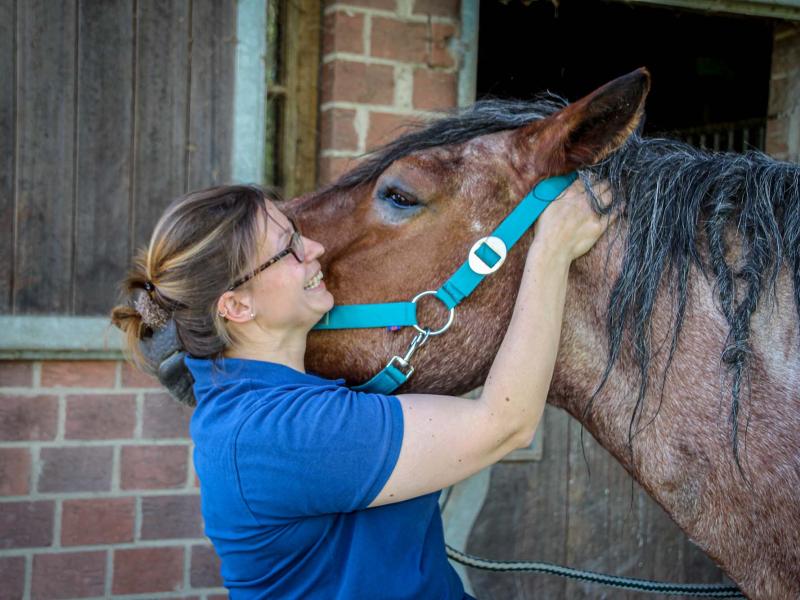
679, 346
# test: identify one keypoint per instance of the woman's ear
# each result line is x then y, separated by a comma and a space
235, 306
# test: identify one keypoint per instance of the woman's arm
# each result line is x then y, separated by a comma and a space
446, 439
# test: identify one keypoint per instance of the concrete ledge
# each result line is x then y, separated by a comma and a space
59, 338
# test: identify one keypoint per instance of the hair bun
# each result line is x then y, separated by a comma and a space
152, 314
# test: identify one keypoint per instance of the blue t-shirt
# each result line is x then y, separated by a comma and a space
288, 463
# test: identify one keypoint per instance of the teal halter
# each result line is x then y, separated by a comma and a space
486, 256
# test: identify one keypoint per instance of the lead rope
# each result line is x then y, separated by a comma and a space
708, 590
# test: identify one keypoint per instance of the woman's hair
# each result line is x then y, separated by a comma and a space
203, 241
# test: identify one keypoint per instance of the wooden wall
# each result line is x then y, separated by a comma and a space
579, 512
108, 110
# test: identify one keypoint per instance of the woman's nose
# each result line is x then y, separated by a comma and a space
313, 249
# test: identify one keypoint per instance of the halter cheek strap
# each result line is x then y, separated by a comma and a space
486, 256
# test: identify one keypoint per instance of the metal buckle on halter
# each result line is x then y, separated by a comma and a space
404, 362
446, 325
496, 245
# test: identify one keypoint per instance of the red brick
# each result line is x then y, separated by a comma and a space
79, 373
169, 517
16, 373
26, 524
440, 55
153, 467
399, 40
384, 127
205, 567
28, 417
434, 90
439, 8
133, 377
777, 141
780, 97
15, 471
164, 417
332, 167
350, 81
338, 129
343, 32
68, 575
12, 574
79, 469
147, 570
97, 521
100, 417
376, 4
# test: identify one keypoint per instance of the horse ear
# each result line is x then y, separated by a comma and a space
586, 131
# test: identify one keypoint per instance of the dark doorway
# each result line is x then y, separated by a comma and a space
710, 72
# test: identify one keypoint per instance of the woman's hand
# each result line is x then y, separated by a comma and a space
570, 227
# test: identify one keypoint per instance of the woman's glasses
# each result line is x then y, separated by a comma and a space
295, 248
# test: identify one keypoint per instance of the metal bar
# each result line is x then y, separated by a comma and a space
249, 116
468, 73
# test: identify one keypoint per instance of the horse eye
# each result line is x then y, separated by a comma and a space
399, 200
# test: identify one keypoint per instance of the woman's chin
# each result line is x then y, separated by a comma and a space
321, 300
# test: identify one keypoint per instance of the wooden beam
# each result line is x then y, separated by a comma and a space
299, 134
773, 9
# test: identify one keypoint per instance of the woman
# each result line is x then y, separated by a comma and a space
309, 489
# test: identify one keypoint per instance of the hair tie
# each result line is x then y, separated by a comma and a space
152, 314
148, 285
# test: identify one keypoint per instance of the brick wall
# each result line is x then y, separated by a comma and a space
98, 498
783, 126
384, 63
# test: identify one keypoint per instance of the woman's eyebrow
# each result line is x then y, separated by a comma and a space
284, 230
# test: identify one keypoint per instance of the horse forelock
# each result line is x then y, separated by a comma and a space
482, 118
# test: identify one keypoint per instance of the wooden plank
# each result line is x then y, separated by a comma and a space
587, 514
597, 519
212, 85
8, 21
524, 517
46, 179
626, 535
105, 100
161, 99
302, 38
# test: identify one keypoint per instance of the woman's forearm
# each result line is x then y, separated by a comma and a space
516, 388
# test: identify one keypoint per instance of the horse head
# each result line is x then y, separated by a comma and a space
405, 219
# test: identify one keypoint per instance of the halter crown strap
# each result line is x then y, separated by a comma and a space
466, 279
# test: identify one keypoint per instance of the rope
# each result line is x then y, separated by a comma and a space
707, 590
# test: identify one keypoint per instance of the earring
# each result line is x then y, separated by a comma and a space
222, 314
252, 315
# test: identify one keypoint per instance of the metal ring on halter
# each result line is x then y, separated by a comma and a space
449, 319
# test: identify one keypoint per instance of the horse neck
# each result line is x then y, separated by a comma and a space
687, 411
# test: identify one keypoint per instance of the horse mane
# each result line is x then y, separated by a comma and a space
667, 192
482, 118
670, 192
